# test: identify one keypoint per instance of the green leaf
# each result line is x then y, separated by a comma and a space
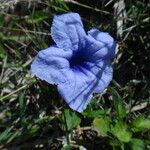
67, 147
14, 37
141, 123
102, 125
2, 52
115, 143
13, 136
37, 17
118, 104
70, 120
121, 132
5, 135
59, 6
22, 106
34, 130
94, 113
137, 144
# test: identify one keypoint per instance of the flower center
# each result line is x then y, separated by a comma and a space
76, 60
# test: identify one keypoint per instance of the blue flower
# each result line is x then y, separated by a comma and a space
79, 63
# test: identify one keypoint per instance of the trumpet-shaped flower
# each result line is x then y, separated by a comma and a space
79, 63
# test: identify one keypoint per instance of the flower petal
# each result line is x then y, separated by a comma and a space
101, 36
99, 45
51, 65
77, 92
103, 74
82, 81
67, 31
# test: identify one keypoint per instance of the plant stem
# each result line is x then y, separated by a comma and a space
66, 128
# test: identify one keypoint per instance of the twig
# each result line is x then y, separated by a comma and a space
28, 31
88, 7
139, 107
120, 15
3, 67
81, 129
17, 90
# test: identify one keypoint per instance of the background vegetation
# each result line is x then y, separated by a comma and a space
32, 113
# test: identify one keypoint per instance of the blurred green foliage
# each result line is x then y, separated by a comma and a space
32, 113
